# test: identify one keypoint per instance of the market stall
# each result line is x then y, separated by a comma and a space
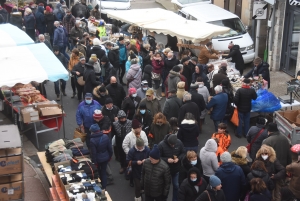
12, 36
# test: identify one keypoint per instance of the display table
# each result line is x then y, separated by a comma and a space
286, 105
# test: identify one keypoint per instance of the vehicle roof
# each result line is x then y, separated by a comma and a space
208, 12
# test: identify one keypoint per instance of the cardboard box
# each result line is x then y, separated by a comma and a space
11, 165
10, 152
291, 116
55, 109
29, 116
60, 193
11, 178
9, 137
11, 191
53, 194
55, 181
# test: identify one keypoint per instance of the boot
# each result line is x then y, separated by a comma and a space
74, 94
103, 196
138, 199
64, 93
57, 97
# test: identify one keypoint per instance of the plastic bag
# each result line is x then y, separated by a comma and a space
265, 102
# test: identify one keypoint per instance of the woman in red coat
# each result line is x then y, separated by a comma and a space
157, 64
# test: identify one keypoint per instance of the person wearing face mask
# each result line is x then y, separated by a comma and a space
120, 129
192, 186
144, 117
191, 160
136, 156
131, 103
213, 191
116, 91
84, 118
100, 94
152, 103
159, 128
275, 170
141, 91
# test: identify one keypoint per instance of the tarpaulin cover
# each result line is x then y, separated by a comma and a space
13, 36
265, 102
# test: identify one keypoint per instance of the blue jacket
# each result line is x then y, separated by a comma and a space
219, 104
29, 21
134, 155
233, 180
101, 148
40, 20
84, 114
122, 53
59, 37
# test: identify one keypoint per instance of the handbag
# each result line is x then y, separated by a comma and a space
235, 117
155, 76
80, 81
128, 171
79, 134
250, 144
208, 195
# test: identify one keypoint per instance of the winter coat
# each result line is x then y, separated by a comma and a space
155, 178
130, 105
96, 14
117, 93
49, 21
188, 73
29, 21
272, 164
5, 15
114, 58
90, 79
120, 131
96, 50
218, 78
59, 12
188, 133
236, 57
101, 148
224, 140
157, 66
146, 57
159, 133
242, 162
107, 71
16, 19
134, 76
84, 113
204, 92
135, 155
264, 196
130, 141
166, 151
188, 192
152, 106
186, 166
62, 59
80, 9
145, 120
79, 68
111, 114
76, 32
218, 103
104, 124
141, 93
173, 80
98, 97
69, 22
262, 68
169, 64
122, 53
213, 195
294, 169
233, 180
59, 37
180, 91
73, 61
281, 145
253, 131
208, 157
243, 98
147, 75
188, 106
152, 43
40, 20
171, 107
182, 78
82, 48
198, 99
206, 54
257, 173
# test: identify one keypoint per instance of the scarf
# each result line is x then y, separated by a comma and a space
246, 86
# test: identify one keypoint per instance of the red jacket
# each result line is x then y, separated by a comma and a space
157, 66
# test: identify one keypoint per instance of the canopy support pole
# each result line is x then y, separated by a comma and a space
62, 113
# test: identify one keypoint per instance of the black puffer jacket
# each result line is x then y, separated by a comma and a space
107, 72
104, 124
146, 57
145, 119
166, 151
256, 173
198, 99
96, 50
111, 113
191, 107
186, 166
117, 93
242, 162
147, 75
90, 79
171, 107
97, 96
213, 195
156, 178
49, 21
169, 64
263, 69
130, 105
236, 57
187, 191
243, 98
188, 133
113, 56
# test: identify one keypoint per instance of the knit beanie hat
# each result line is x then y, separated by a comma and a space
194, 86
48, 8
154, 153
136, 124
172, 139
185, 59
214, 181
272, 127
98, 114
121, 114
143, 105
95, 128
104, 59
131, 91
176, 69
108, 101
225, 157
139, 142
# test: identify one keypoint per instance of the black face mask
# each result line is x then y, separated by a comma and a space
122, 122
114, 84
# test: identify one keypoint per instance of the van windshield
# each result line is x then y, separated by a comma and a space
117, 0
192, 1
235, 25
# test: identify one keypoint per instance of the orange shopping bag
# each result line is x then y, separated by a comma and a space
235, 117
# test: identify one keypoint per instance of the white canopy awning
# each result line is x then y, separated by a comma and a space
167, 22
13, 36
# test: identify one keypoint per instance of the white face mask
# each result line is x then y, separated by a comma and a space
134, 95
194, 162
265, 157
145, 88
195, 179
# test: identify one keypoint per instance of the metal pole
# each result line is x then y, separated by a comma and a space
271, 36
62, 113
100, 9
257, 37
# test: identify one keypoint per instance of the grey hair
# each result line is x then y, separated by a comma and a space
187, 97
77, 22
160, 45
218, 89
180, 66
56, 23
134, 61
41, 35
104, 38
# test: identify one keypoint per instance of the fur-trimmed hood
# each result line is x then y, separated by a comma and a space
95, 92
238, 159
185, 121
265, 148
16, 13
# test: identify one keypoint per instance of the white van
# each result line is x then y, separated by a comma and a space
114, 5
179, 4
215, 15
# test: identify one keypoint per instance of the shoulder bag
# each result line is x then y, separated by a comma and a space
208, 195
250, 144
80, 81
155, 76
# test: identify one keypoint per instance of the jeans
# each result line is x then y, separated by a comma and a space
62, 84
137, 187
73, 84
175, 183
149, 198
102, 172
79, 91
88, 136
63, 51
216, 123
244, 119
195, 149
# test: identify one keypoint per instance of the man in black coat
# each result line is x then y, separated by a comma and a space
260, 67
96, 49
188, 106
107, 70
172, 152
172, 105
60, 82
103, 122
236, 57
110, 110
220, 76
80, 9
198, 99
187, 71
170, 62
113, 55
90, 78
242, 100
116, 91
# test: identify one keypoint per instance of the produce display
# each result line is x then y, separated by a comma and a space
28, 93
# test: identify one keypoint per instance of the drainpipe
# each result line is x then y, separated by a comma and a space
257, 37
271, 36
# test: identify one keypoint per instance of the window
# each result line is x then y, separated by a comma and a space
193, 1
235, 25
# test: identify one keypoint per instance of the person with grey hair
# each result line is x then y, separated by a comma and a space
29, 23
43, 40
188, 106
76, 32
219, 104
59, 37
